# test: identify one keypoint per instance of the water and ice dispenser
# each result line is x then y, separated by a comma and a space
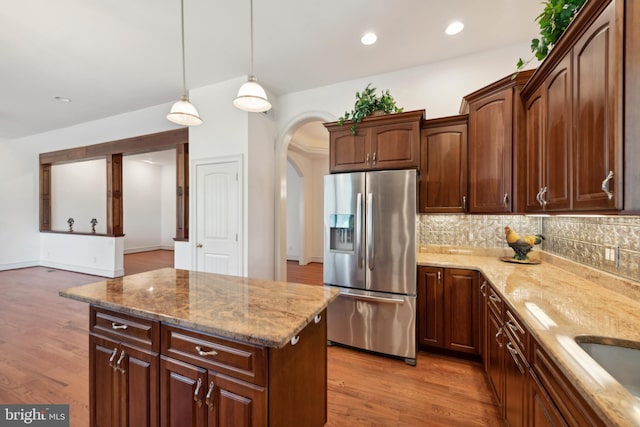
341, 232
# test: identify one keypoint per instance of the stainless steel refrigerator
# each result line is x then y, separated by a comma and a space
370, 255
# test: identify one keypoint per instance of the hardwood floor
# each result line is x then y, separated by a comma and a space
44, 359
310, 273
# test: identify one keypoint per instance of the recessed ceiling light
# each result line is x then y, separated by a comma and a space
62, 99
369, 39
454, 28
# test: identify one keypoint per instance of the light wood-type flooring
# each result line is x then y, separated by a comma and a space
44, 359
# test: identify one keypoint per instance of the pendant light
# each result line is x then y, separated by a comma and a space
184, 112
251, 96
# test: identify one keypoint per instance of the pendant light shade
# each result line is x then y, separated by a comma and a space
251, 96
184, 112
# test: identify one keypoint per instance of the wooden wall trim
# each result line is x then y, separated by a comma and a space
45, 197
113, 152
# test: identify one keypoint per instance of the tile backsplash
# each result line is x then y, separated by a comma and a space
583, 239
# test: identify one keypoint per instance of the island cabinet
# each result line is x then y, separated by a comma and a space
123, 369
178, 348
448, 309
209, 381
443, 165
575, 104
390, 141
496, 132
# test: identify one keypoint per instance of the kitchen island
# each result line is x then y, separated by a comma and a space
175, 347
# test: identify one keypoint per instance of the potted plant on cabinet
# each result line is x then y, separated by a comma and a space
367, 104
554, 19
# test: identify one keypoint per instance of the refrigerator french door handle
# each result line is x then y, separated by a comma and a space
359, 229
372, 298
370, 247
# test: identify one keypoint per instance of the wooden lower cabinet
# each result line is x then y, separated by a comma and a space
529, 388
194, 396
542, 411
448, 306
123, 378
149, 373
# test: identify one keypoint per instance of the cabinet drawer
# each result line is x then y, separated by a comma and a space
517, 330
143, 333
239, 360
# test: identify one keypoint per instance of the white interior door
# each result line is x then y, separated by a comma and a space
218, 218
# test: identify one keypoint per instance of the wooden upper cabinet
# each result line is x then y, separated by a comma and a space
389, 141
548, 143
443, 165
496, 128
598, 120
574, 115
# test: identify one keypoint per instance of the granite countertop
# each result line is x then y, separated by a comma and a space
559, 300
254, 311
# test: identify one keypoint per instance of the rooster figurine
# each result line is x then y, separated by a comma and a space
521, 245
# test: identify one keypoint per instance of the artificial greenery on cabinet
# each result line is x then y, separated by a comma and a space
369, 103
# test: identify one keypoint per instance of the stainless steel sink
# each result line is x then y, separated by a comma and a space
621, 359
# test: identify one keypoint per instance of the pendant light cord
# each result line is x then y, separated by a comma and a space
184, 73
251, 33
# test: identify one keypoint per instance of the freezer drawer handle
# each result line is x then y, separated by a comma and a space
373, 299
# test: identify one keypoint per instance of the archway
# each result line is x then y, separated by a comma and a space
283, 141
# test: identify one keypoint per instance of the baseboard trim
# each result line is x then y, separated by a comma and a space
19, 265
85, 270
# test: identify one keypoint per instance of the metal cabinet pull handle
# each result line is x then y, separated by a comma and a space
505, 200
464, 203
498, 337
543, 192
209, 398
494, 298
295, 340
605, 185
117, 366
115, 326
538, 196
195, 393
513, 326
113, 357
439, 276
374, 157
317, 319
514, 355
202, 352
367, 159
483, 288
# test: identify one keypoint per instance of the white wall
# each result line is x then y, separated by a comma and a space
78, 191
295, 199
19, 210
261, 189
142, 207
19, 182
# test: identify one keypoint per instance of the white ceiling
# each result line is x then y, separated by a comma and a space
115, 56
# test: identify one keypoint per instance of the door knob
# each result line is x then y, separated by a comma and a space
199, 245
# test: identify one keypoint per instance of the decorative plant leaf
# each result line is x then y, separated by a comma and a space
554, 19
366, 104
